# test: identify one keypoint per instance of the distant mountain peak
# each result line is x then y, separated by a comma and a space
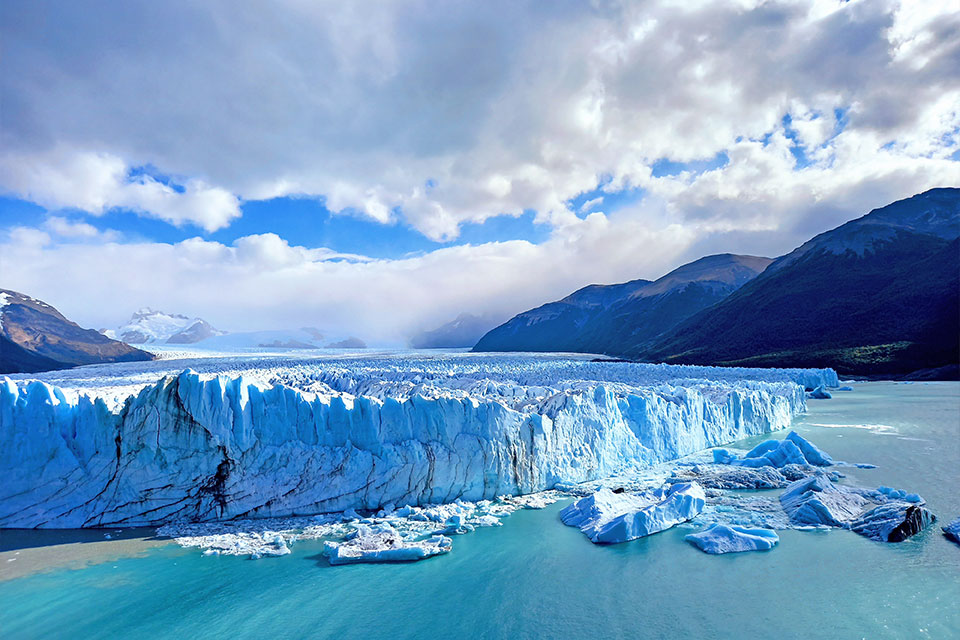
151, 326
723, 268
932, 213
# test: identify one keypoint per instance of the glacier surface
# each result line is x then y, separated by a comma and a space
300, 436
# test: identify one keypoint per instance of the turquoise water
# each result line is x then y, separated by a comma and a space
535, 577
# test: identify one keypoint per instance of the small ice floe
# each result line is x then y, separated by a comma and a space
721, 538
844, 388
533, 500
607, 517
253, 538
952, 531
819, 393
456, 525
383, 543
898, 494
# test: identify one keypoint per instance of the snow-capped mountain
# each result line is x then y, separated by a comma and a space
148, 326
609, 318
36, 337
878, 295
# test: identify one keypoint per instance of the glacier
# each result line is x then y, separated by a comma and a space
300, 436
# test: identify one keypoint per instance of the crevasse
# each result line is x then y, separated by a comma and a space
192, 448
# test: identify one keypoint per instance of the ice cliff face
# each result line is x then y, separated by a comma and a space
196, 448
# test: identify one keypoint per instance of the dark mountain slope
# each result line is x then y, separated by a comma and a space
556, 326
36, 337
878, 295
613, 318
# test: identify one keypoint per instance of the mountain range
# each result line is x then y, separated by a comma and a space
875, 296
36, 337
148, 326
621, 317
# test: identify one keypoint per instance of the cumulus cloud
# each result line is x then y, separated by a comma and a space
440, 114
98, 182
71, 229
502, 106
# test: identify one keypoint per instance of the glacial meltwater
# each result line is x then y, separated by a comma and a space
535, 577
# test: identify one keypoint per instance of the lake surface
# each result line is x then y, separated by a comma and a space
534, 577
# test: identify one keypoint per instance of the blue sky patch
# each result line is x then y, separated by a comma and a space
299, 221
600, 199
666, 167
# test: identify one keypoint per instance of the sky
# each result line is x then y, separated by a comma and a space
379, 168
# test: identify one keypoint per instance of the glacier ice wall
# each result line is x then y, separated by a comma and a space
196, 448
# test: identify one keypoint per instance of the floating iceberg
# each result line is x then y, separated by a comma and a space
952, 531
894, 522
899, 494
382, 543
608, 518
884, 514
792, 450
816, 501
361, 435
819, 394
720, 538
262, 537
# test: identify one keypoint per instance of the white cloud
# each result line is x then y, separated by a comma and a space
262, 281
71, 229
97, 182
590, 204
498, 107
27, 238
504, 106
